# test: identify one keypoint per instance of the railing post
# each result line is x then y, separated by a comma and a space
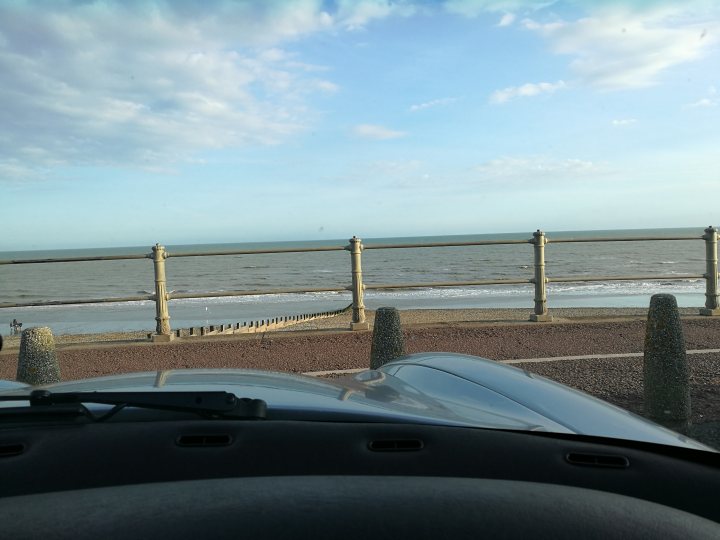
358, 307
162, 315
541, 311
712, 307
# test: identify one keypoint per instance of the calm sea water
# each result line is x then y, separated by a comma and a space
82, 280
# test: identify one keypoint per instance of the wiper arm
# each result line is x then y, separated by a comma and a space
208, 404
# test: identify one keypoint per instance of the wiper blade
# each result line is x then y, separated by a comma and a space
207, 404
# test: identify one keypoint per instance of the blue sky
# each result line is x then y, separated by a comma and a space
130, 123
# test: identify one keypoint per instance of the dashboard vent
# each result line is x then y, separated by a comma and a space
204, 440
396, 445
7, 450
598, 460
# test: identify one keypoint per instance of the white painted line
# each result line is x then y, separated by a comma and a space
595, 357
526, 361
558, 358
703, 351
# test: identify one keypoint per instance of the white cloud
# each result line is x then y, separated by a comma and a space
327, 86
432, 103
506, 20
711, 100
398, 174
500, 174
475, 8
372, 131
13, 169
356, 14
704, 102
150, 84
624, 121
616, 48
526, 170
403, 174
525, 90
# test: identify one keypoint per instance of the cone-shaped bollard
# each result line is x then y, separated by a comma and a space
387, 342
37, 363
665, 369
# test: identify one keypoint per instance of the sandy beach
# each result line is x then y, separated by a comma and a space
498, 334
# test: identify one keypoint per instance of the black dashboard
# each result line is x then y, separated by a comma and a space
295, 478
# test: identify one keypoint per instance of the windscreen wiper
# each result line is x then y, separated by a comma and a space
206, 404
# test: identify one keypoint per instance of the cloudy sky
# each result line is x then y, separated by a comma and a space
189, 121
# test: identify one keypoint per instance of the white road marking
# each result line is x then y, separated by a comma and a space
526, 361
595, 356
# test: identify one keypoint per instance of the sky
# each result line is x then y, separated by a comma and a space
128, 123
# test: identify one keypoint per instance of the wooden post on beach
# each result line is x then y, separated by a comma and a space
162, 315
541, 311
712, 307
358, 319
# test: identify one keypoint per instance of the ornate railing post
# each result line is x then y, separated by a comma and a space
358, 307
712, 307
541, 311
162, 315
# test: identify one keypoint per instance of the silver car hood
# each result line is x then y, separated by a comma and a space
432, 388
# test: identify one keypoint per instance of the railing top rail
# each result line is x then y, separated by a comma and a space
73, 259
171, 254
342, 248
551, 240
220, 294
80, 301
446, 244
649, 277
255, 251
429, 284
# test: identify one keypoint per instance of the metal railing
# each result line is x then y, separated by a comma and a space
540, 280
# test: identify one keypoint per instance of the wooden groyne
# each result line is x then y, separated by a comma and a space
253, 327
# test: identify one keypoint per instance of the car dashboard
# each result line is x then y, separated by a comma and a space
188, 477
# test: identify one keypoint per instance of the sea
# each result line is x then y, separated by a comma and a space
30, 283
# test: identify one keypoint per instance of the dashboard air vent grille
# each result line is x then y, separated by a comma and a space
204, 440
598, 460
396, 445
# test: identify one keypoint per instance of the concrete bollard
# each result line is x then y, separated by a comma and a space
37, 362
665, 369
387, 341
